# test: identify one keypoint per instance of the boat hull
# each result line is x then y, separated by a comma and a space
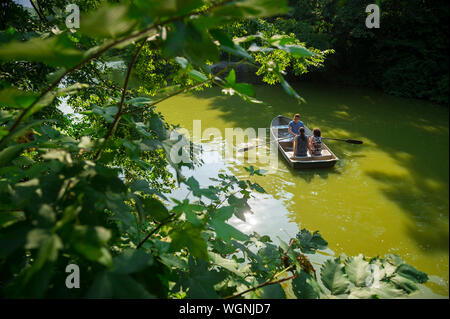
278, 129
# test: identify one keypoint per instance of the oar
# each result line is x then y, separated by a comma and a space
245, 149
342, 140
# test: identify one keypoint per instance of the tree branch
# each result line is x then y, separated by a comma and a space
122, 99
283, 259
267, 283
169, 219
39, 12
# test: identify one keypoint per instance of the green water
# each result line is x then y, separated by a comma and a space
389, 195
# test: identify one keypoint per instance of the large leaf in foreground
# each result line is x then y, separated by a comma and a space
131, 261
305, 286
226, 231
357, 270
191, 238
90, 242
333, 276
112, 285
55, 51
273, 292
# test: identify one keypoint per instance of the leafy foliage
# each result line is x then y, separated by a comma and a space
406, 56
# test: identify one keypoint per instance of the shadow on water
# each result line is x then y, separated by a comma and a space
427, 209
414, 134
309, 175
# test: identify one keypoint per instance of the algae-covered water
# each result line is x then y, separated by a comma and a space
389, 195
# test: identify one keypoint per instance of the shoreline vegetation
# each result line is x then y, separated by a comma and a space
92, 195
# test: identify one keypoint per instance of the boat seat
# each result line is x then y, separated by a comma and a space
326, 155
281, 127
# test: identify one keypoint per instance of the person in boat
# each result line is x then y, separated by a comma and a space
315, 143
294, 125
300, 146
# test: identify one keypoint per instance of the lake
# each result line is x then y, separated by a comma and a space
389, 195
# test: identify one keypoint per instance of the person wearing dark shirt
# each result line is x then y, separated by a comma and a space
300, 144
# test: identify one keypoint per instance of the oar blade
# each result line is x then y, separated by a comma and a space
245, 149
354, 141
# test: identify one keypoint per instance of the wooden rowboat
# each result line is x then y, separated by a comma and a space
279, 129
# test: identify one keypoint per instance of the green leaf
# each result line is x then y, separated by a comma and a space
33, 282
112, 285
333, 276
89, 241
107, 22
201, 280
394, 259
387, 291
404, 283
289, 90
240, 206
191, 238
183, 62
197, 76
270, 255
244, 88
310, 242
144, 187
224, 213
296, 50
191, 41
305, 286
8, 218
262, 8
228, 45
226, 231
281, 39
139, 101
171, 260
156, 209
13, 237
256, 187
142, 129
21, 130
121, 212
383, 291
357, 270
9, 153
167, 8
274, 291
14, 98
131, 261
190, 211
54, 51
157, 125
228, 264
107, 112
252, 171
231, 77
411, 273
194, 186
141, 186
36, 238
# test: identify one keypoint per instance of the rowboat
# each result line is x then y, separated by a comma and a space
279, 129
